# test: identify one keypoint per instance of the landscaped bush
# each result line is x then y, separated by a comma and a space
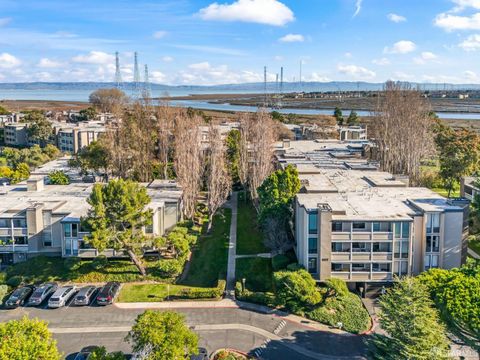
169, 267
203, 293
100, 262
71, 263
14, 281
262, 298
294, 267
3, 292
280, 262
229, 355
347, 310
338, 286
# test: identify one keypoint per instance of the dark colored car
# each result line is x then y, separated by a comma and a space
202, 354
107, 293
85, 353
18, 297
41, 293
84, 296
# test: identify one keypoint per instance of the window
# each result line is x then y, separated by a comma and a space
432, 243
359, 226
20, 240
433, 223
312, 265
313, 222
4, 223
360, 247
340, 267
19, 223
340, 247
382, 247
401, 249
400, 267
74, 230
337, 226
312, 245
398, 230
384, 267
430, 261
360, 267
67, 230
376, 226
405, 230
149, 229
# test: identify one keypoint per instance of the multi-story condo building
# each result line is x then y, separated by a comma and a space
15, 134
469, 187
38, 219
71, 138
367, 226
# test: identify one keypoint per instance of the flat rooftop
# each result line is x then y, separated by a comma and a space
364, 195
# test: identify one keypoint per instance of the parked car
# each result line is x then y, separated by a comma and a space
84, 354
61, 296
18, 297
41, 293
84, 296
107, 293
202, 354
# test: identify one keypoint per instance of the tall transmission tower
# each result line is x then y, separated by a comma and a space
118, 74
147, 91
281, 80
136, 77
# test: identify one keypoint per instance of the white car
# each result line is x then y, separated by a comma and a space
61, 296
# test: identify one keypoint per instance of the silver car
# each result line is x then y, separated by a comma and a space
41, 293
84, 296
61, 296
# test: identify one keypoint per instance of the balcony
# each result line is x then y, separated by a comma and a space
14, 248
92, 253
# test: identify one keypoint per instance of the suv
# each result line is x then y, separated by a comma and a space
18, 297
41, 293
84, 296
108, 293
61, 296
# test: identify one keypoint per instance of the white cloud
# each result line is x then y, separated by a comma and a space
463, 4
450, 22
317, 77
270, 12
212, 49
424, 57
157, 77
206, 74
278, 58
356, 71
471, 43
400, 47
292, 38
399, 75
5, 21
159, 34
44, 76
95, 57
470, 76
348, 55
167, 59
48, 63
8, 61
200, 66
358, 7
396, 18
382, 61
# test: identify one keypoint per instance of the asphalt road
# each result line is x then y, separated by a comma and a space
248, 331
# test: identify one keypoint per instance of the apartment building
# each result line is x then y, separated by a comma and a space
469, 187
73, 137
367, 226
15, 134
38, 219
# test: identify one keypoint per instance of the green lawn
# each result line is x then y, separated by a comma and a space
257, 272
444, 192
161, 292
209, 258
41, 269
249, 234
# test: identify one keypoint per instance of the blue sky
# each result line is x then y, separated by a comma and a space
229, 41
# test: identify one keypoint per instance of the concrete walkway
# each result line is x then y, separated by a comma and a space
232, 247
261, 255
473, 254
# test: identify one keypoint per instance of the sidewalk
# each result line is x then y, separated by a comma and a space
232, 245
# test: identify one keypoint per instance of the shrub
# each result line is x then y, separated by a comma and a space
71, 263
14, 281
3, 277
347, 309
204, 293
338, 286
294, 267
280, 262
3, 292
262, 298
100, 262
170, 268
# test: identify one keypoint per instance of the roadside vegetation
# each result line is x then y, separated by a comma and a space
249, 234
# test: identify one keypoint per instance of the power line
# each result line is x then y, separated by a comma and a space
118, 74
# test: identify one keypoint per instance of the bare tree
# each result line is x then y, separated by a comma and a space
188, 159
165, 116
402, 130
218, 179
276, 236
243, 149
108, 100
262, 136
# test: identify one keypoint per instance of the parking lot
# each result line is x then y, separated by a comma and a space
76, 327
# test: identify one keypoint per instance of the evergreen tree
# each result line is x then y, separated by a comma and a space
338, 116
352, 118
412, 324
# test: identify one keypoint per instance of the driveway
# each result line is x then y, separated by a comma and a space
270, 336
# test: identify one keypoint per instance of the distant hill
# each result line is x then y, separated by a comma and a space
246, 87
